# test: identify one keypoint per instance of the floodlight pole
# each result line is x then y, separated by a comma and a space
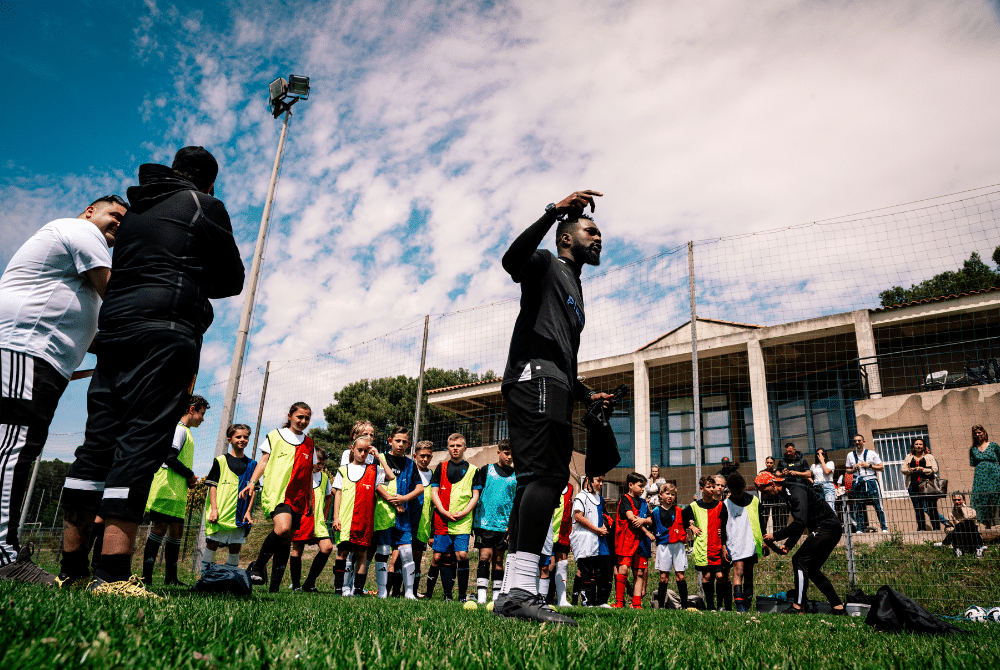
236, 369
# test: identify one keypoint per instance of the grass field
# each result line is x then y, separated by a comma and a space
45, 628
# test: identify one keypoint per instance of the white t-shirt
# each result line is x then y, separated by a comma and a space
288, 436
818, 475
318, 479
425, 476
584, 542
867, 456
345, 458
48, 307
355, 472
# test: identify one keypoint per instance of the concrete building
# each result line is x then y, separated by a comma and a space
925, 369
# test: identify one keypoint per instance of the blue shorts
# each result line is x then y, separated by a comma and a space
381, 537
445, 543
401, 537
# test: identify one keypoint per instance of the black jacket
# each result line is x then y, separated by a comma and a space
809, 510
174, 250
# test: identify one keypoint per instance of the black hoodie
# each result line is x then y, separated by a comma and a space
174, 250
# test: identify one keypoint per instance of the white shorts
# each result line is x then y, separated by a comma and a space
671, 557
228, 537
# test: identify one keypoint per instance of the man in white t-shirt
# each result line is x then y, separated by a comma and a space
865, 464
50, 294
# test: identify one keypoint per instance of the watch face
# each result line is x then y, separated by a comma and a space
550, 206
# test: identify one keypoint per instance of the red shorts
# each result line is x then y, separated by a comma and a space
637, 562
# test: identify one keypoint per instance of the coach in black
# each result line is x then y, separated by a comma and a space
174, 252
540, 385
809, 510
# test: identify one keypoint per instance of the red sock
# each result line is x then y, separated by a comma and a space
637, 602
620, 590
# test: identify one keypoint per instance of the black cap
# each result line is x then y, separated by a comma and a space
198, 164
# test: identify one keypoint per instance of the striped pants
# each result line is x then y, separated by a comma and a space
30, 389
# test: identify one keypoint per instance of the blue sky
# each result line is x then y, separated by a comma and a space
437, 130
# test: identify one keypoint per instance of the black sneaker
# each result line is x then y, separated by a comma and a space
24, 569
519, 604
309, 589
448, 599
792, 610
173, 582
838, 612
256, 576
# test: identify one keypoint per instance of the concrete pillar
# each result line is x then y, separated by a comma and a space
866, 349
640, 411
758, 400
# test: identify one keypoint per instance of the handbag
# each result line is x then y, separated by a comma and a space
933, 486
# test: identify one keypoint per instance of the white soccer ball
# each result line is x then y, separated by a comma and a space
974, 613
994, 614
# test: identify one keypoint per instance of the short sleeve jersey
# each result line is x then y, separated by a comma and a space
356, 472
237, 465
48, 306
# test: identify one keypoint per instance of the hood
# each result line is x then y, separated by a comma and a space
156, 184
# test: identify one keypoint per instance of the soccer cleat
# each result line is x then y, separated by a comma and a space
67, 582
256, 576
498, 602
309, 589
838, 612
448, 599
173, 582
792, 610
520, 604
25, 570
294, 589
129, 588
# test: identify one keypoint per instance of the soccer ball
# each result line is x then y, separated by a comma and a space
489, 606
994, 614
974, 613
470, 605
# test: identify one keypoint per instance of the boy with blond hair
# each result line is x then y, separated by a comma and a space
454, 494
671, 537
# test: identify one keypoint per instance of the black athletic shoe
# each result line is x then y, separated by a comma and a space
256, 576
498, 602
839, 612
792, 610
309, 589
24, 569
520, 604
448, 599
174, 582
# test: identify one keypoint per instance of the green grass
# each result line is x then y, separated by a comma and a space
46, 628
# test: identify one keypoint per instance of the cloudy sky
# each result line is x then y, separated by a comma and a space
437, 130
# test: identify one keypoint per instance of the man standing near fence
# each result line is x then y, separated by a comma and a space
865, 464
175, 252
49, 299
539, 386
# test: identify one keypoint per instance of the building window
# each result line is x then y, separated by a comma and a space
623, 426
816, 411
672, 431
892, 447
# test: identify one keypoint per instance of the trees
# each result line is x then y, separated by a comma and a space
386, 402
972, 276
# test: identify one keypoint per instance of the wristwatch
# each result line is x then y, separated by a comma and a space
550, 207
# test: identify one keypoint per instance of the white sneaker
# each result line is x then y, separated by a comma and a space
885, 530
606, 606
980, 551
938, 544
958, 553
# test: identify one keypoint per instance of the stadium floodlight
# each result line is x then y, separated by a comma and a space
282, 94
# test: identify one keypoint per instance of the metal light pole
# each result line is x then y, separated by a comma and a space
283, 94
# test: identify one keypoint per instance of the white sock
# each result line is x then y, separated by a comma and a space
562, 569
523, 572
508, 570
409, 568
234, 560
349, 576
482, 586
497, 587
543, 585
382, 578
207, 558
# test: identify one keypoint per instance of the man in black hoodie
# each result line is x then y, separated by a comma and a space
174, 251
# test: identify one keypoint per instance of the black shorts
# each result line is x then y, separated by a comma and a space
560, 548
490, 539
711, 568
539, 413
352, 547
417, 545
160, 517
285, 508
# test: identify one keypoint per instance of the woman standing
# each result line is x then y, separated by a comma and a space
651, 492
921, 467
984, 456
822, 473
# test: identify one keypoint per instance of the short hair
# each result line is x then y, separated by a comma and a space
569, 224
399, 430
198, 402
359, 426
720, 478
109, 200
503, 445
736, 482
235, 427
789, 444
456, 436
635, 478
704, 480
322, 454
858, 435
424, 444
769, 458
668, 487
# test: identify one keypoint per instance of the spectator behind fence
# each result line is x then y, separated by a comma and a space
651, 492
727, 468
865, 463
793, 467
984, 456
822, 473
174, 252
964, 536
920, 467
771, 506
49, 297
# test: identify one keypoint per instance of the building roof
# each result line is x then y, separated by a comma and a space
939, 298
462, 386
735, 324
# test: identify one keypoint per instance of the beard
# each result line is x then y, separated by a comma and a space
589, 255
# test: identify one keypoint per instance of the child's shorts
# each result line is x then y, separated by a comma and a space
231, 536
709, 568
400, 537
352, 547
671, 557
382, 538
445, 543
638, 562
491, 539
